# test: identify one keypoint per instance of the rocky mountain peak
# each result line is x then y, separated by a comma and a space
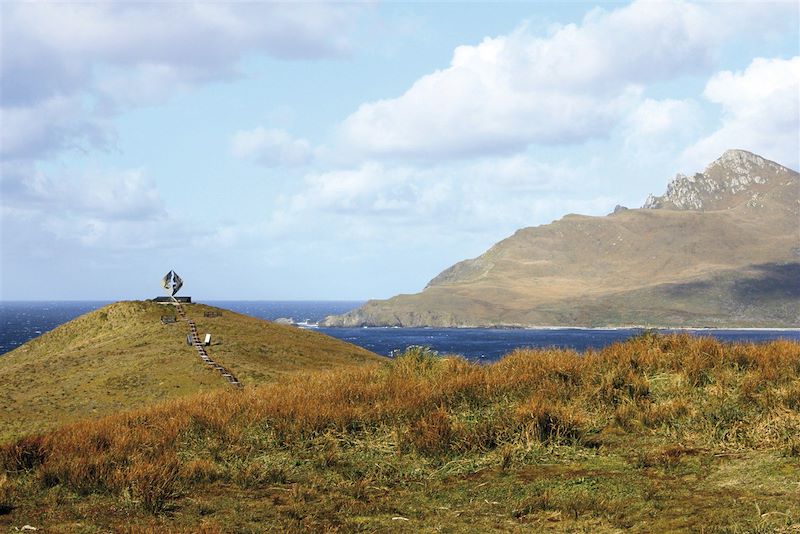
741, 162
736, 177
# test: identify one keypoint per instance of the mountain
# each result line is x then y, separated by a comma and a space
121, 356
720, 248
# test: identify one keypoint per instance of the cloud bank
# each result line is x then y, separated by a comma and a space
66, 67
573, 85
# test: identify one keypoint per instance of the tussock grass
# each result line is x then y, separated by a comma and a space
631, 436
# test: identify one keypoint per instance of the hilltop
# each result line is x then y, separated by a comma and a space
121, 356
657, 434
720, 248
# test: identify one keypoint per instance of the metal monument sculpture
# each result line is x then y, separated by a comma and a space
171, 283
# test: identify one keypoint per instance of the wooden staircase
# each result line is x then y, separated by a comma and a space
201, 350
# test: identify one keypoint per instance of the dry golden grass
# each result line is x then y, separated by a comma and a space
631, 414
560, 393
121, 357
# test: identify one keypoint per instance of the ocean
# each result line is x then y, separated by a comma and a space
22, 321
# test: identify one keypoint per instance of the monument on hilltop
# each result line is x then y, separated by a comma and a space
172, 284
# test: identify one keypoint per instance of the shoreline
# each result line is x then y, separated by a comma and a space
604, 328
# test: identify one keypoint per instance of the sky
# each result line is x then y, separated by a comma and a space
337, 151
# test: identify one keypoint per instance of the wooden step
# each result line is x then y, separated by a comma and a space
201, 351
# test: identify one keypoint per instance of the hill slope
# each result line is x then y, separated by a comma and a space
720, 248
121, 356
657, 434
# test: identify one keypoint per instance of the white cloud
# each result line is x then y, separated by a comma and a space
377, 202
102, 56
760, 112
371, 188
47, 126
484, 196
514, 90
271, 147
46, 215
114, 195
146, 83
203, 39
660, 118
661, 126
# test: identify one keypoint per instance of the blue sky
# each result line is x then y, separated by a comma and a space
353, 151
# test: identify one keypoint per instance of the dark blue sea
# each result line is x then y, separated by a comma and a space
22, 321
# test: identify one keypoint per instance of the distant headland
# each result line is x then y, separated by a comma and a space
719, 249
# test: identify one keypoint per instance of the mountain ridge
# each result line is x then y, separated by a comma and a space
733, 226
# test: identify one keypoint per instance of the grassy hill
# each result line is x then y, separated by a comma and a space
657, 434
720, 249
121, 356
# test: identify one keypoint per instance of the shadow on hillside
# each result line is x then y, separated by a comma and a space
767, 280
773, 280
687, 289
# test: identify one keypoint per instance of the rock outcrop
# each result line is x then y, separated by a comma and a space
735, 178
